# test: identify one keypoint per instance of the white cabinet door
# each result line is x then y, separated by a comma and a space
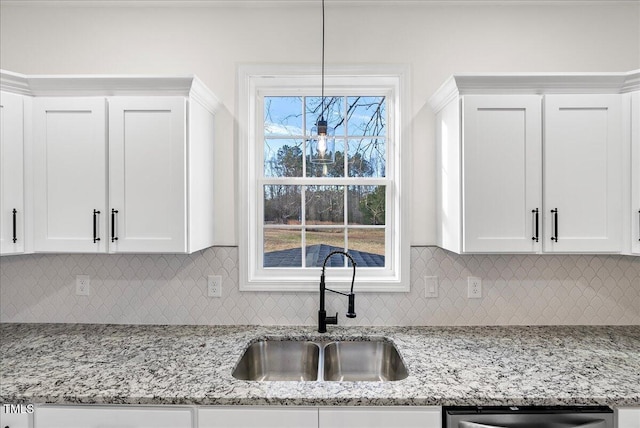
628, 417
380, 417
258, 417
16, 415
70, 176
12, 174
635, 173
582, 173
112, 417
147, 174
502, 173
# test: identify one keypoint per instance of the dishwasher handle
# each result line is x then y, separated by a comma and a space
593, 424
477, 425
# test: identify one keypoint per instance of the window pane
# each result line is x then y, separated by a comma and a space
321, 242
282, 204
367, 157
366, 116
324, 204
333, 113
366, 205
282, 248
282, 116
283, 158
366, 246
334, 170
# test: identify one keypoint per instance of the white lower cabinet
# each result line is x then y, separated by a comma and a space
380, 417
16, 416
258, 417
628, 417
113, 417
323, 417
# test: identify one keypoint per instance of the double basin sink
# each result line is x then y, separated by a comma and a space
344, 360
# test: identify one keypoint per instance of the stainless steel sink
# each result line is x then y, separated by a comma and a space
363, 361
279, 360
290, 360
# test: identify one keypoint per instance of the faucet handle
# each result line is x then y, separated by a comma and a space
332, 320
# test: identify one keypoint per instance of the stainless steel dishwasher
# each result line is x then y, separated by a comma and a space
528, 417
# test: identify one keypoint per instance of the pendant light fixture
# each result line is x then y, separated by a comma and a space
322, 136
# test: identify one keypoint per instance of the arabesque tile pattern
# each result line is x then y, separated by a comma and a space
171, 289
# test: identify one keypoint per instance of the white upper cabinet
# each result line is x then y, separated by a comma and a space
70, 174
583, 173
12, 232
121, 164
502, 174
532, 163
147, 174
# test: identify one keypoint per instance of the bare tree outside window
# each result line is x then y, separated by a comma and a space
302, 222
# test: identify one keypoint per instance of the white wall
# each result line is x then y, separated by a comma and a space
435, 40
209, 41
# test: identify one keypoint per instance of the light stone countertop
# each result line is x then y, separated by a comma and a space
137, 364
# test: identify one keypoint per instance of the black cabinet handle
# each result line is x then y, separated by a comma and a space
638, 225
536, 235
555, 225
14, 212
113, 225
95, 226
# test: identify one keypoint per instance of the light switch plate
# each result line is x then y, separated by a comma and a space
430, 287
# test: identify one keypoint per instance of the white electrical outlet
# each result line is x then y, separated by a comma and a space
474, 290
83, 283
214, 286
430, 287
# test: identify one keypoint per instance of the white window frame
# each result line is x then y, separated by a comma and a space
255, 82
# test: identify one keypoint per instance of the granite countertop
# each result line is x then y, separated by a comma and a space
126, 364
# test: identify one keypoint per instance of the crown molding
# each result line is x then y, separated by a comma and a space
534, 83
108, 85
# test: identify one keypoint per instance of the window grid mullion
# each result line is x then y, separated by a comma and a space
305, 181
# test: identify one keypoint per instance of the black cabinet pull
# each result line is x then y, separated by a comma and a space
555, 225
536, 235
113, 225
95, 226
638, 225
14, 212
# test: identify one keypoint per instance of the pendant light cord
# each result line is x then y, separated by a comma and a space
322, 94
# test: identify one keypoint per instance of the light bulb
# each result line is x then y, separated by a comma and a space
322, 145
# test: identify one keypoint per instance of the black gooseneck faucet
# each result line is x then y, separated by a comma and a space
323, 319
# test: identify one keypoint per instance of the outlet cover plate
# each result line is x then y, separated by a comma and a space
83, 284
214, 286
474, 290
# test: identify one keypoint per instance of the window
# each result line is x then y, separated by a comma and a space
295, 212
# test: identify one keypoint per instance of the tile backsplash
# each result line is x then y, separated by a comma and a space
171, 289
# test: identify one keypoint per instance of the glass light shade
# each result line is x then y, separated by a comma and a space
322, 143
